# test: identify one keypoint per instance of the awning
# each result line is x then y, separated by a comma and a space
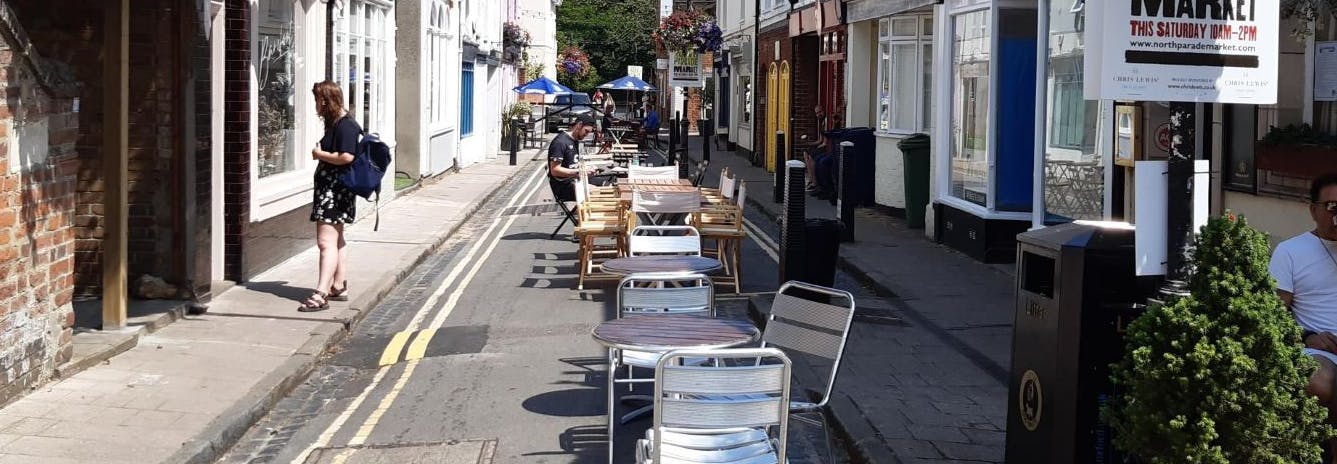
864, 10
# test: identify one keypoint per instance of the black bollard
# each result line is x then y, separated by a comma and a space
780, 158
705, 140
845, 203
793, 240
515, 138
673, 140
683, 163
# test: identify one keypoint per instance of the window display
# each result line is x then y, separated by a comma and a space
1074, 170
275, 57
971, 48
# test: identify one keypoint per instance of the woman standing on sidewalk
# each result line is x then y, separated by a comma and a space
333, 205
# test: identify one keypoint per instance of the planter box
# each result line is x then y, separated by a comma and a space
1287, 170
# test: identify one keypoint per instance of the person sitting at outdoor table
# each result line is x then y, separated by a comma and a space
564, 160
650, 126
821, 178
1305, 268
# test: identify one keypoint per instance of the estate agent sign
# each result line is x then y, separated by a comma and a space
1222, 51
685, 69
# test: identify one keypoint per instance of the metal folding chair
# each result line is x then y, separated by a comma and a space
799, 325
694, 425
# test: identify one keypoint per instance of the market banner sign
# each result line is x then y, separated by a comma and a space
685, 69
1222, 51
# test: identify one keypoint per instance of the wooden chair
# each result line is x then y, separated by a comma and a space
598, 219
723, 224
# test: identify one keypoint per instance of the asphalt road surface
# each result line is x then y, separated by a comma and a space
483, 355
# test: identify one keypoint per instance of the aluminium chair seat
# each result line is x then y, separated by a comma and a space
729, 448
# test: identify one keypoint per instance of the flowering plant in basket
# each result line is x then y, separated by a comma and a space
573, 62
689, 30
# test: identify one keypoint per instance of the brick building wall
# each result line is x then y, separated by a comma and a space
804, 92
38, 164
71, 33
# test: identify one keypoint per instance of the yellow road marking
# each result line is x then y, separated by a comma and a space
389, 399
391, 354
418, 348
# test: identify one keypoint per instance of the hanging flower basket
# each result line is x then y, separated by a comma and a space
573, 63
689, 30
514, 41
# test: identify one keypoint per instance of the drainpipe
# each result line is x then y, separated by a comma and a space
329, 39
1041, 100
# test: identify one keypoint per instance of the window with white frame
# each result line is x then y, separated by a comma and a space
436, 67
360, 60
971, 60
275, 66
904, 73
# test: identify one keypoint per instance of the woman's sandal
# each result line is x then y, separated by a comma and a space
339, 294
319, 305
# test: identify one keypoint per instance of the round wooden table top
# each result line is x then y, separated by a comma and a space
668, 332
628, 265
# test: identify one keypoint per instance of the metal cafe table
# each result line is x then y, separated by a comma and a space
662, 334
629, 265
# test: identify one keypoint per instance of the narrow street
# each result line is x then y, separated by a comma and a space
483, 354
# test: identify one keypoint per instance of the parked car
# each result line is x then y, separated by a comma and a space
564, 108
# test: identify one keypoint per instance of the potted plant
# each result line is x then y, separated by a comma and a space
518, 110
1218, 375
573, 66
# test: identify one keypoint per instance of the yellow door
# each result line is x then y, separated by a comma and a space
782, 120
772, 114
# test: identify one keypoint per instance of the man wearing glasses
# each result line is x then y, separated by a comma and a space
1305, 268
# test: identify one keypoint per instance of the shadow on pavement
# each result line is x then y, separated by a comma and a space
576, 402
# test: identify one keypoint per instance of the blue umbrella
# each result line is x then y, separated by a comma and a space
543, 85
628, 83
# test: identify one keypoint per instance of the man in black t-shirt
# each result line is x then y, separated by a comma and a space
564, 159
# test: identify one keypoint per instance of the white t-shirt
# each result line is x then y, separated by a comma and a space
1306, 266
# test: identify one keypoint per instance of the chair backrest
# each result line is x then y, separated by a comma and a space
687, 397
651, 201
580, 189
666, 293
652, 172
742, 195
727, 182
810, 327
664, 240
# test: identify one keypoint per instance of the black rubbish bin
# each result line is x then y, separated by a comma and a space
821, 248
915, 152
1077, 290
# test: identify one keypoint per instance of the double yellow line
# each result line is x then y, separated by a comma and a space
395, 353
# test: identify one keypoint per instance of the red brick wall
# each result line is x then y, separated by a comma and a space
37, 209
803, 91
71, 33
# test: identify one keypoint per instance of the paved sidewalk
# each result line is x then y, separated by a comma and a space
186, 392
932, 388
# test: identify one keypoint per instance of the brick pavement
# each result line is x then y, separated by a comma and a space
931, 388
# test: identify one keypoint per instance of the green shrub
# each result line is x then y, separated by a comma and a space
1218, 376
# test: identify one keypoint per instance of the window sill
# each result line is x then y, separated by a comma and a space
897, 133
281, 193
983, 212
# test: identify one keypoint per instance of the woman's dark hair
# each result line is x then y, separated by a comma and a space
1321, 183
329, 101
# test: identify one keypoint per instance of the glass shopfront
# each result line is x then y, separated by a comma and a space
275, 58
1074, 170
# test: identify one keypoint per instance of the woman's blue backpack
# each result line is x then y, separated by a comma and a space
363, 175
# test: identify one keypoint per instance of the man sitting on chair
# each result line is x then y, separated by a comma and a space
564, 160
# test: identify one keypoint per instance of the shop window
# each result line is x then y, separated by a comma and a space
904, 74
745, 91
437, 50
360, 63
971, 48
467, 99
1074, 173
275, 68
